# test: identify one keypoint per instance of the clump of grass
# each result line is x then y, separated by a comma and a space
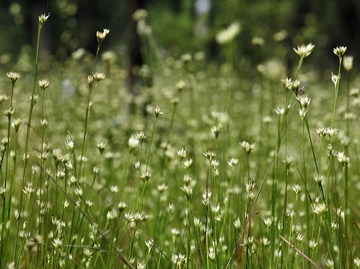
190, 190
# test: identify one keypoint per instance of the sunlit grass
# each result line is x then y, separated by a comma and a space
224, 171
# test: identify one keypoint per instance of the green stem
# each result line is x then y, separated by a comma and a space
152, 137
337, 84
27, 139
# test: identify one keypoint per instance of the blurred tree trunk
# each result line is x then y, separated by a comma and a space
135, 58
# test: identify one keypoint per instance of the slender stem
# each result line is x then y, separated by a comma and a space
337, 84
151, 140
28, 128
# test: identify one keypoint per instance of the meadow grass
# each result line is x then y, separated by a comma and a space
223, 171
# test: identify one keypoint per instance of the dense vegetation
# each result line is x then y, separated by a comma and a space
208, 166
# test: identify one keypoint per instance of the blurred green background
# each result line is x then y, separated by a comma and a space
270, 28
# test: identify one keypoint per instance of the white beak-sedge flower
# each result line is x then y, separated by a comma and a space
157, 111
339, 51
101, 35
348, 63
13, 76
304, 50
228, 35
247, 146
342, 158
43, 18
43, 84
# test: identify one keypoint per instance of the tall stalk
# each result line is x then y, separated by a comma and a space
33, 98
91, 78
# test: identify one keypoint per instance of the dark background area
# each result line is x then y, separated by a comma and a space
73, 23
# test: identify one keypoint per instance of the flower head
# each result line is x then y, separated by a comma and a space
101, 146
13, 76
228, 35
101, 35
339, 51
98, 76
247, 146
342, 158
348, 62
304, 101
43, 18
43, 84
158, 112
335, 79
139, 14
182, 153
287, 83
133, 142
304, 50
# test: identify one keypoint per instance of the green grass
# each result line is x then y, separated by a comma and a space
227, 170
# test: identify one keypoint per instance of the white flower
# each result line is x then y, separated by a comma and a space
133, 142
227, 35
247, 146
304, 51
101, 35
348, 62
342, 158
339, 51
